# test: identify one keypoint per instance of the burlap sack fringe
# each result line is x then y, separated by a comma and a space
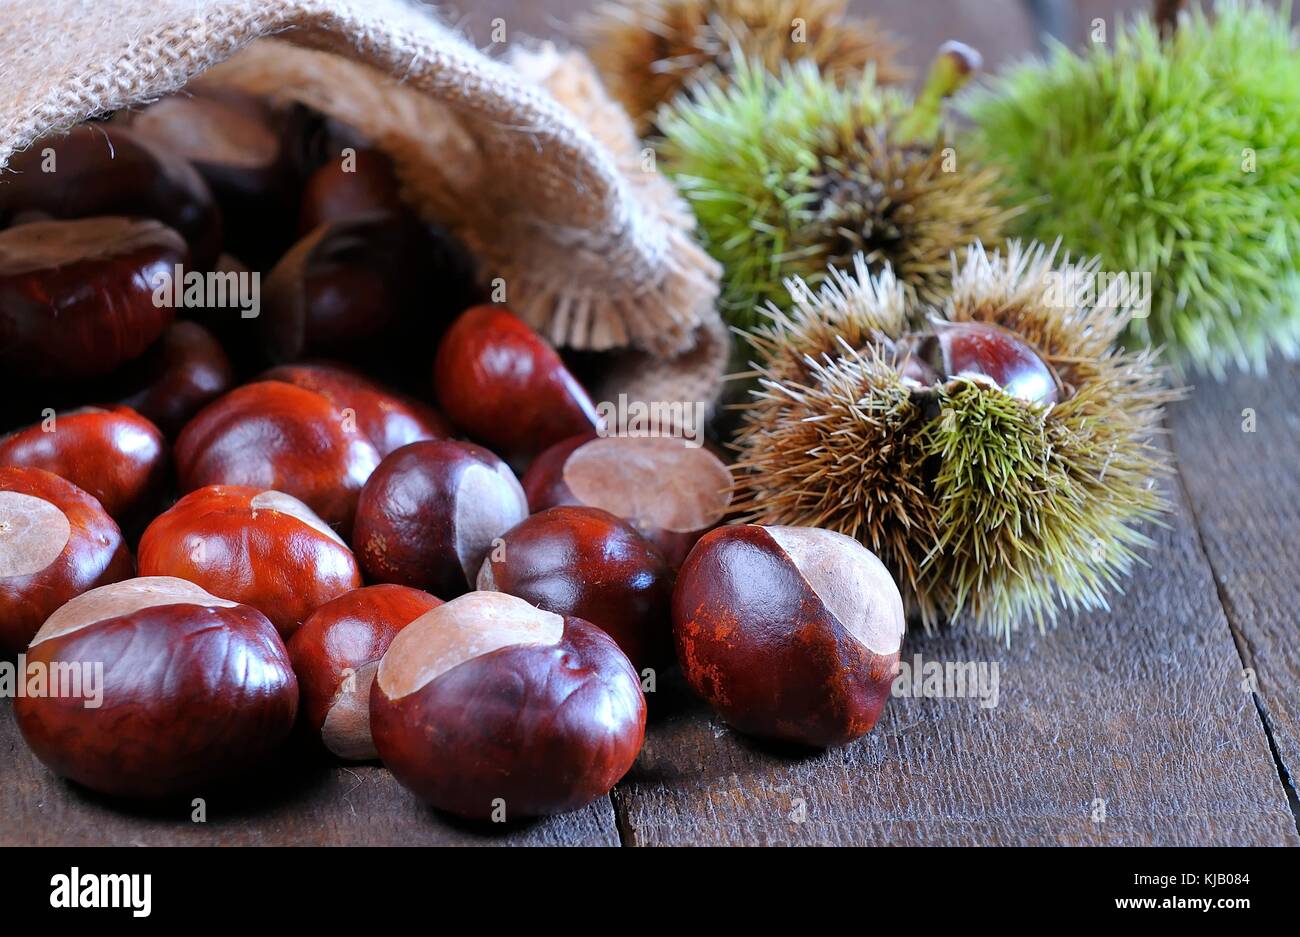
526, 159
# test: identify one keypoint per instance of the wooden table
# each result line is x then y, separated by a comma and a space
1143, 725
1172, 719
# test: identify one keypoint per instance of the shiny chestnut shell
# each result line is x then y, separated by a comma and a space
259, 547
110, 452
499, 382
77, 297
488, 706
101, 169
791, 633
336, 653
56, 542
270, 434
586, 563
181, 373
429, 514
388, 418
196, 690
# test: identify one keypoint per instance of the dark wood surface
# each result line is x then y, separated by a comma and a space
1174, 718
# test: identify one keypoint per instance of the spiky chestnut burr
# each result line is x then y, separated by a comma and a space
978, 500
789, 174
1177, 157
650, 51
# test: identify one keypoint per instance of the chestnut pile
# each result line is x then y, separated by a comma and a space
367, 503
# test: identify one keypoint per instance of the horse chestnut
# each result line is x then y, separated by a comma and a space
56, 542
428, 515
262, 548
111, 452
100, 169
388, 419
791, 633
271, 434
195, 690
668, 490
336, 653
185, 370
987, 352
338, 190
77, 297
505, 387
488, 706
586, 563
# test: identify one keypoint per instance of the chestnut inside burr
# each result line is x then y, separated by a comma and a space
33, 532
465, 628
978, 351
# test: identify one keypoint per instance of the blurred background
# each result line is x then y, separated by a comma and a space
1001, 29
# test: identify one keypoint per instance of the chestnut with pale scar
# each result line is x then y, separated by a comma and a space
790, 633
489, 707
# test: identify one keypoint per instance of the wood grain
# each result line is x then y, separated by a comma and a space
1141, 708
302, 800
1244, 489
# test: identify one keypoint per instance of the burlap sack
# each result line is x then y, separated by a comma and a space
525, 157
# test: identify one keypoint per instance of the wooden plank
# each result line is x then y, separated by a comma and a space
303, 801
1244, 489
1140, 708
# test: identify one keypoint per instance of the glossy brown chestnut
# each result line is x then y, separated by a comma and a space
275, 435
499, 382
490, 707
335, 655
56, 542
430, 512
987, 352
345, 286
110, 452
670, 491
196, 690
791, 633
234, 141
262, 548
360, 182
77, 297
183, 372
586, 563
388, 419
100, 169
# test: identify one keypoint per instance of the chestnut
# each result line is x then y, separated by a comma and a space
490, 707
196, 690
586, 563
335, 655
363, 183
101, 169
790, 633
499, 382
990, 353
234, 141
345, 288
670, 491
270, 434
184, 370
77, 297
110, 452
56, 542
251, 545
429, 514
388, 419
